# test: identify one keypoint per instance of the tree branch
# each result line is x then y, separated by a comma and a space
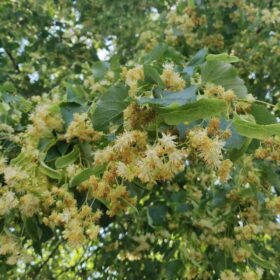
15, 65
37, 271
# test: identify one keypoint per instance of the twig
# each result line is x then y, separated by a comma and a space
12, 60
37, 271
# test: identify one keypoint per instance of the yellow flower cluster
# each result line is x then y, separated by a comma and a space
240, 255
224, 170
270, 150
45, 118
10, 247
212, 90
147, 39
63, 211
247, 232
271, 16
209, 149
81, 128
8, 201
172, 79
14, 175
184, 23
274, 204
133, 158
132, 76
136, 117
29, 205
247, 275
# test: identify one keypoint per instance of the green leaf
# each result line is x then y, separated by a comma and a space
18, 159
191, 4
198, 58
68, 159
48, 171
110, 107
259, 260
85, 174
173, 269
68, 109
204, 108
99, 69
32, 228
224, 74
151, 74
167, 98
75, 93
269, 174
236, 153
162, 52
222, 57
262, 114
250, 129
46, 143
156, 215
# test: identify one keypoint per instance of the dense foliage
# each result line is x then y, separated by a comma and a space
161, 162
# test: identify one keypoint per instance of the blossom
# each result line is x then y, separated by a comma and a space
74, 233
125, 171
224, 170
240, 255
229, 275
14, 175
3, 162
81, 128
8, 201
29, 205
210, 150
172, 79
45, 118
92, 232
8, 245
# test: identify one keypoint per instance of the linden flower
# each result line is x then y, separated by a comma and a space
251, 275
171, 79
81, 128
66, 215
271, 16
229, 275
29, 205
240, 255
224, 170
132, 77
3, 162
212, 90
176, 161
125, 171
8, 245
14, 175
103, 156
7, 202
136, 116
23, 257
74, 233
92, 232
6, 128
250, 98
45, 118
167, 142
71, 170
209, 149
